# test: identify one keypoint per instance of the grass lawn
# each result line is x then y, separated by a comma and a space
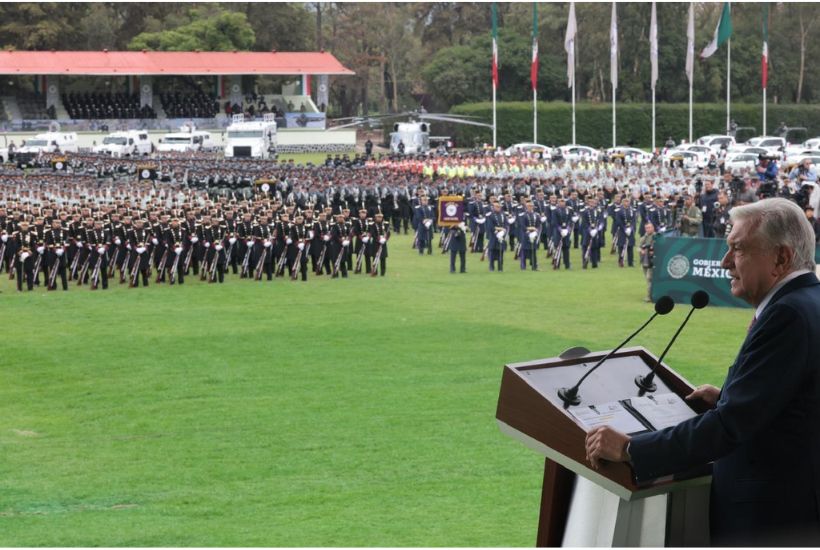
355, 412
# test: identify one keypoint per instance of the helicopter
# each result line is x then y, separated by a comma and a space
413, 135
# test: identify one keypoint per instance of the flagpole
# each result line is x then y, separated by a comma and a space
653, 119
690, 111
495, 145
728, 83
764, 111
573, 94
613, 116
534, 117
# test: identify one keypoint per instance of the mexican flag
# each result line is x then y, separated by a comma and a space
764, 62
495, 47
723, 32
534, 66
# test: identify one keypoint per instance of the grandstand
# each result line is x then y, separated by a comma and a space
218, 91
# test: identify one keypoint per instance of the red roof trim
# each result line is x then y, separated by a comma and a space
175, 63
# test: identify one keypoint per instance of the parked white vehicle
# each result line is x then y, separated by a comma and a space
256, 139
737, 163
193, 140
577, 153
528, 148
773, 145
51, 142
630, 154
716, 142
125, 144
808, 145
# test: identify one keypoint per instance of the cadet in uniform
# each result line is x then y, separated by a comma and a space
624, 226
496, 232
379, 234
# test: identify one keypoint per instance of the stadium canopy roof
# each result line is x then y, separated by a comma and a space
105, 63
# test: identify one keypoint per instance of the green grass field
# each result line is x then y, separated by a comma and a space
355, 412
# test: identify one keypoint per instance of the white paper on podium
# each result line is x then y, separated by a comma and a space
663, 410
611, 414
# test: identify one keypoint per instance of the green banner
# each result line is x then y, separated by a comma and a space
684, 265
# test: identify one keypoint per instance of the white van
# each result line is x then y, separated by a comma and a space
125, 144
196, 140
51, 142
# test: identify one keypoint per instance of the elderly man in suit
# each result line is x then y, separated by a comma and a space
762, 429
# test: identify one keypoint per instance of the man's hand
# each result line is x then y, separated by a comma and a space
707, 393
605, 443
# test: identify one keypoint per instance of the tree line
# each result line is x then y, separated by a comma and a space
438, 54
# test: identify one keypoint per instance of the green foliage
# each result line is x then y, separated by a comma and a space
594, 122
222, 31
354, 412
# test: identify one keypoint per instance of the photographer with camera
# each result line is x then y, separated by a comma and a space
721, 225
804, 173
766, 168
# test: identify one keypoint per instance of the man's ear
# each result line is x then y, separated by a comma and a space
784, 258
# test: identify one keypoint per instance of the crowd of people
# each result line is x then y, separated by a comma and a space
171, 216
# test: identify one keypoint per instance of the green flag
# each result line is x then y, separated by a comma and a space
723, 32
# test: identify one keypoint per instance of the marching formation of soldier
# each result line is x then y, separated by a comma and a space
104, 219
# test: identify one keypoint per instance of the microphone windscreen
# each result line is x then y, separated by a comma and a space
664, 305
700, 299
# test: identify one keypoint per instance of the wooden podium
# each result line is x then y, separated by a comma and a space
605, 507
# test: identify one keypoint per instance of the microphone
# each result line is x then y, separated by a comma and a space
700, 300
570, 395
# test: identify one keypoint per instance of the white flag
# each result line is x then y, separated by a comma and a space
690, 44
653, 45
613, 49
569, 44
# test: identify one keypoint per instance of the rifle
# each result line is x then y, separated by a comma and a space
84, 269
320, 263
52, 276
376, 259
135, 272
214, 263
337, 264
359, 257
173, 275
3, 257
151, 259
486, 248
187, 262
95, 274
614, 243
474, 239
161, 267
517, 250
446, 244
260, 265
124, 266
75, 262
297, 266
37, 265
280, 265
416, 238
246, 261
114, 262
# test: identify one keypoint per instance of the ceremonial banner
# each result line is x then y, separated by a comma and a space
684, 265
450, 211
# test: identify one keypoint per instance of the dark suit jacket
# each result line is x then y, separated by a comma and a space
764, 433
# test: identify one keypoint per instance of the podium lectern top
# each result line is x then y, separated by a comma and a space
530, 410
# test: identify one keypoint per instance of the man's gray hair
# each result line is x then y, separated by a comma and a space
781, 222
